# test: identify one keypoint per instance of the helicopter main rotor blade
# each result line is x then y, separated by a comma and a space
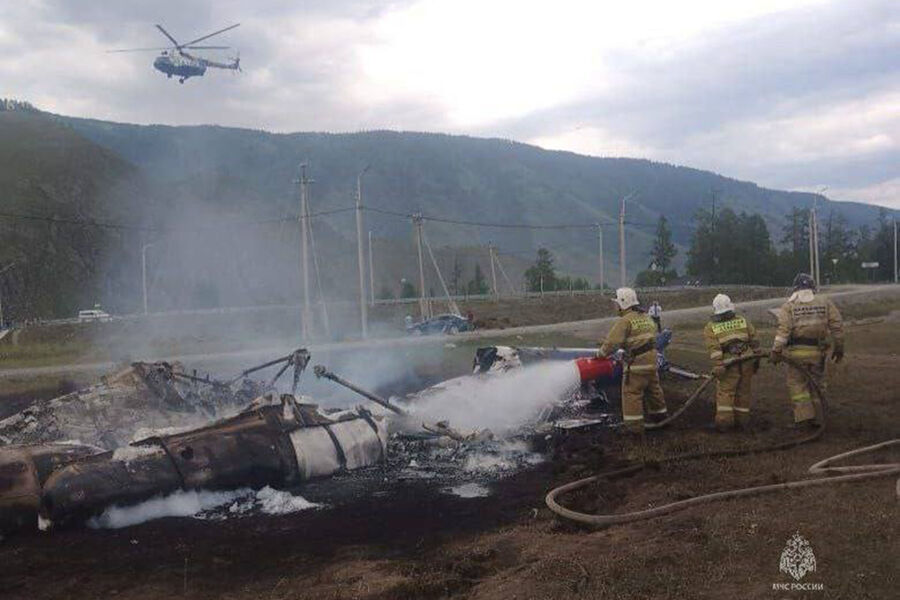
139, 50
166, 33
200, 39
207, 47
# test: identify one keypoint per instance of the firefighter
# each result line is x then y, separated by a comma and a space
805, 323
729, 336
635, 333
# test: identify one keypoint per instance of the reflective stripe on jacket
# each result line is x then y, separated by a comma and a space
813, 320
633, 330
723, 337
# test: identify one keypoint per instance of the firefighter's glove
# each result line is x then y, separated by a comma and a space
775, 356
718, 371
837, 355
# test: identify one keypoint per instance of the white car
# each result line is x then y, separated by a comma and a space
86, 316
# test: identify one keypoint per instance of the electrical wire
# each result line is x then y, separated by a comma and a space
126, 226
499, 225
432, 218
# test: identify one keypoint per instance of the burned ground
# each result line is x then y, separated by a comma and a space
380, 539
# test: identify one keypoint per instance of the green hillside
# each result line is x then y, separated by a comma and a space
48, 171
455, 177
219, 204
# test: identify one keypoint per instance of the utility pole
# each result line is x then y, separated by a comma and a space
895, 250
494, 290
600, 246
818, 273
417, 224
2, 271
814, 242
712, 225
144, 271
622, 276
371, 273
363, 309
816, 229
305, 314
813, 246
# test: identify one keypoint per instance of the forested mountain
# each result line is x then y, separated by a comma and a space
48, 171
455, 177
219, 205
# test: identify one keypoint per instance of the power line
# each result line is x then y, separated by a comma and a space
130, 227
486, 223
495, 224
82, 222
323, 213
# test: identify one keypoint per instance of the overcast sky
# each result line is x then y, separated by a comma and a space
794, 95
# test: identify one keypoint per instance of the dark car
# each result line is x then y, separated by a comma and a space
448, 323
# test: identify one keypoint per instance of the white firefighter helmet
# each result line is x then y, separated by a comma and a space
625, 298
722, 304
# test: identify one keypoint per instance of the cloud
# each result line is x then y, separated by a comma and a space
788, 94
884, 193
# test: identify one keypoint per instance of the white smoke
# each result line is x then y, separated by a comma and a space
178, 504
499, 402
194, 503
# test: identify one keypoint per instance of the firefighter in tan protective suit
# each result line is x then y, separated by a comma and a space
805, 322
729, 336
635, 333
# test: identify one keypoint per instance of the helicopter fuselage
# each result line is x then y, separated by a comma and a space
175, 61
179, 67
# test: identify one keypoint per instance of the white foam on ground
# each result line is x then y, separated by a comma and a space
195, 503
469, 490
178, 504
500, 401
279, 502
508, 456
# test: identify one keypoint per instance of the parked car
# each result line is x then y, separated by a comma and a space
446, 324
95, 314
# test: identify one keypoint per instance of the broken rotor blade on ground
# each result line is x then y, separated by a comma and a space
321, 371
298, 358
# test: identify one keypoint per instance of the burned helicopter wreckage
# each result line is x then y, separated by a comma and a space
276, 440
266, 439
140, 397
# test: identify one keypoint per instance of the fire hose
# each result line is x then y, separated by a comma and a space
838, 474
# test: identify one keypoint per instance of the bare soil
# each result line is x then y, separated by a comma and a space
411, 541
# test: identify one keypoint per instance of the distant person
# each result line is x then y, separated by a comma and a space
805, 323
655, 312
727, 337
634, 333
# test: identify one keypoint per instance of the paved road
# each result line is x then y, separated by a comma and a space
589, 329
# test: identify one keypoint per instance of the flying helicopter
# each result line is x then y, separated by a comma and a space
175, 61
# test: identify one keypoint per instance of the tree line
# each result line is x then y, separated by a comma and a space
737, 248
731, 247
726, 247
